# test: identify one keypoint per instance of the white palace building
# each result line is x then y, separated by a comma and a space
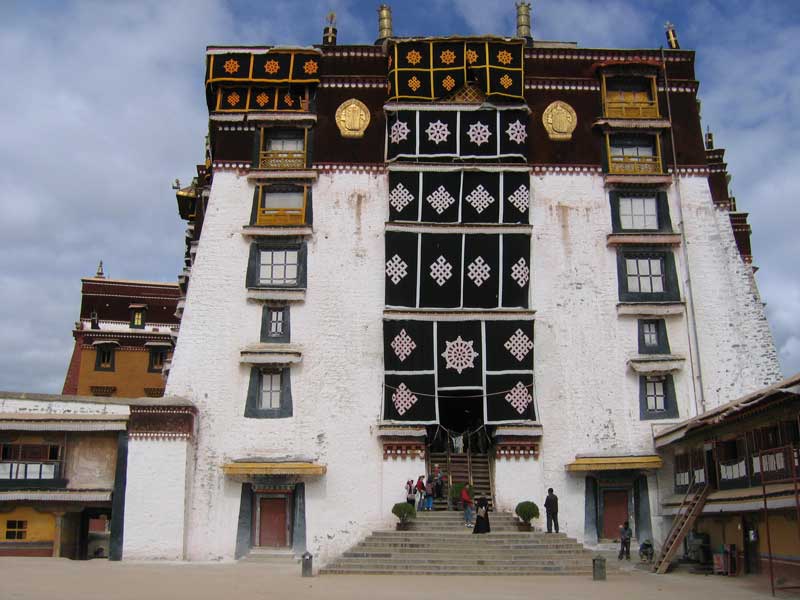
513, 258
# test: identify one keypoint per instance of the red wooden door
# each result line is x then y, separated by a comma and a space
615, 512
272, 526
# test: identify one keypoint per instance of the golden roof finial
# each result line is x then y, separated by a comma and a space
672, 36
331, 18
523, 19
384, 22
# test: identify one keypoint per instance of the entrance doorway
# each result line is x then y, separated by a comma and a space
615, 512
273, 521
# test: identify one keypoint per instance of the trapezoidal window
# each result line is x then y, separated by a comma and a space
282, 149
630, 97
281, 205
633, 154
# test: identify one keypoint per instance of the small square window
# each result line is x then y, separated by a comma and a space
275, 324
104, 359
269, 394
276, 266
647, 276
653, 337
16, 530
657, 397
638, 213
633, 154
283, 204
158, 356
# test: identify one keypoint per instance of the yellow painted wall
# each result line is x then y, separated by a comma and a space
130, 375
722, 530
783, 532
41, 526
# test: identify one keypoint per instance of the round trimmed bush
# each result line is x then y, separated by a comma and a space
404, 511
527, 510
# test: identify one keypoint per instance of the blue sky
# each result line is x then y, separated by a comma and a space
103, 108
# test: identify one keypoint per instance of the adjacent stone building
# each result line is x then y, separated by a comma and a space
123, 338
510, 257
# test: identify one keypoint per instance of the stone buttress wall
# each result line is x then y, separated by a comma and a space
336, 389
155, 499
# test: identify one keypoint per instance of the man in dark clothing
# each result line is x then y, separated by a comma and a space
625, 535
551, 507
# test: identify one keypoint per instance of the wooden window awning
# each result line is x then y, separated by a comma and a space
614, 463
273, 468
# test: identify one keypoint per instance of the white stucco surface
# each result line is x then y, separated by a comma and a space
154, 499
587, 395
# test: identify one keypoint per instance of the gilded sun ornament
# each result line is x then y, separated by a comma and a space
231, 66
506, 81
448, 83
310, 67
272, 67
448, 57
262, 99
472, 57
414, 83
413, 57
559, 120
233, 98
504, 56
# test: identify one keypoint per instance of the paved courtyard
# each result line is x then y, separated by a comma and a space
61, 579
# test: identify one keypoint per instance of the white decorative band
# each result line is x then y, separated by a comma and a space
230, 165
566, 169
260, 50
353, 84
236, 128
559, 54
451, 106
378, 52
64, 496
690, 170
561, 85
448, 228
349, 168
63, 426
443, 168
158, 435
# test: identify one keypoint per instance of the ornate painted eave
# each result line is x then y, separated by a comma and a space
251, 468
614, 463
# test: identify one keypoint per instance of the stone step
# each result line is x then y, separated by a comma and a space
272, 557
432, 548
481, 571
437, 559
460, 534
467, 564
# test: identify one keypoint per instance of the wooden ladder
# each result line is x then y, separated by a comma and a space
690, 509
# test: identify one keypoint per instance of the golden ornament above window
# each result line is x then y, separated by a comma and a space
352, 118
504, 56
413, 57
310, 67
233, 98
448, 57
414, 83
262, 99
506, 81
472, 56
448, 83
559, 120
272, 67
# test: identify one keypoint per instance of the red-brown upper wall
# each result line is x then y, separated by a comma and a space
111, 299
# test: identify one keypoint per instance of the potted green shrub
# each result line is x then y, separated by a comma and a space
526, 511
404, 512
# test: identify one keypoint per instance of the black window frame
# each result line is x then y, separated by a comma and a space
252, 407
670, 403
662, 210
671, 291
254, 263
151, 367
98, 366
134, 312
266, 320
662, 341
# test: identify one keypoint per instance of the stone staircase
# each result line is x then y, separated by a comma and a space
439, 544
275, 558
460, 466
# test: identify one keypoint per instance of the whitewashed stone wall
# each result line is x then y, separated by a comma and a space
155, 499
588, 398
336, 390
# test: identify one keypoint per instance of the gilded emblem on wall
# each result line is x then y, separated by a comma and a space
352, 117
559, 121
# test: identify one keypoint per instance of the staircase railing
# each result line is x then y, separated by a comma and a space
691, 504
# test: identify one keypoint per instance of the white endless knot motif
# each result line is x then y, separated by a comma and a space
399, 132
459, 355
396, 269
438, 132
478, 133
519, 272
403, 399
518, 344
400, 197
440, 199
478, 271
520, 198
516, 132
441, 270
403, 345
519, 397
479, 198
